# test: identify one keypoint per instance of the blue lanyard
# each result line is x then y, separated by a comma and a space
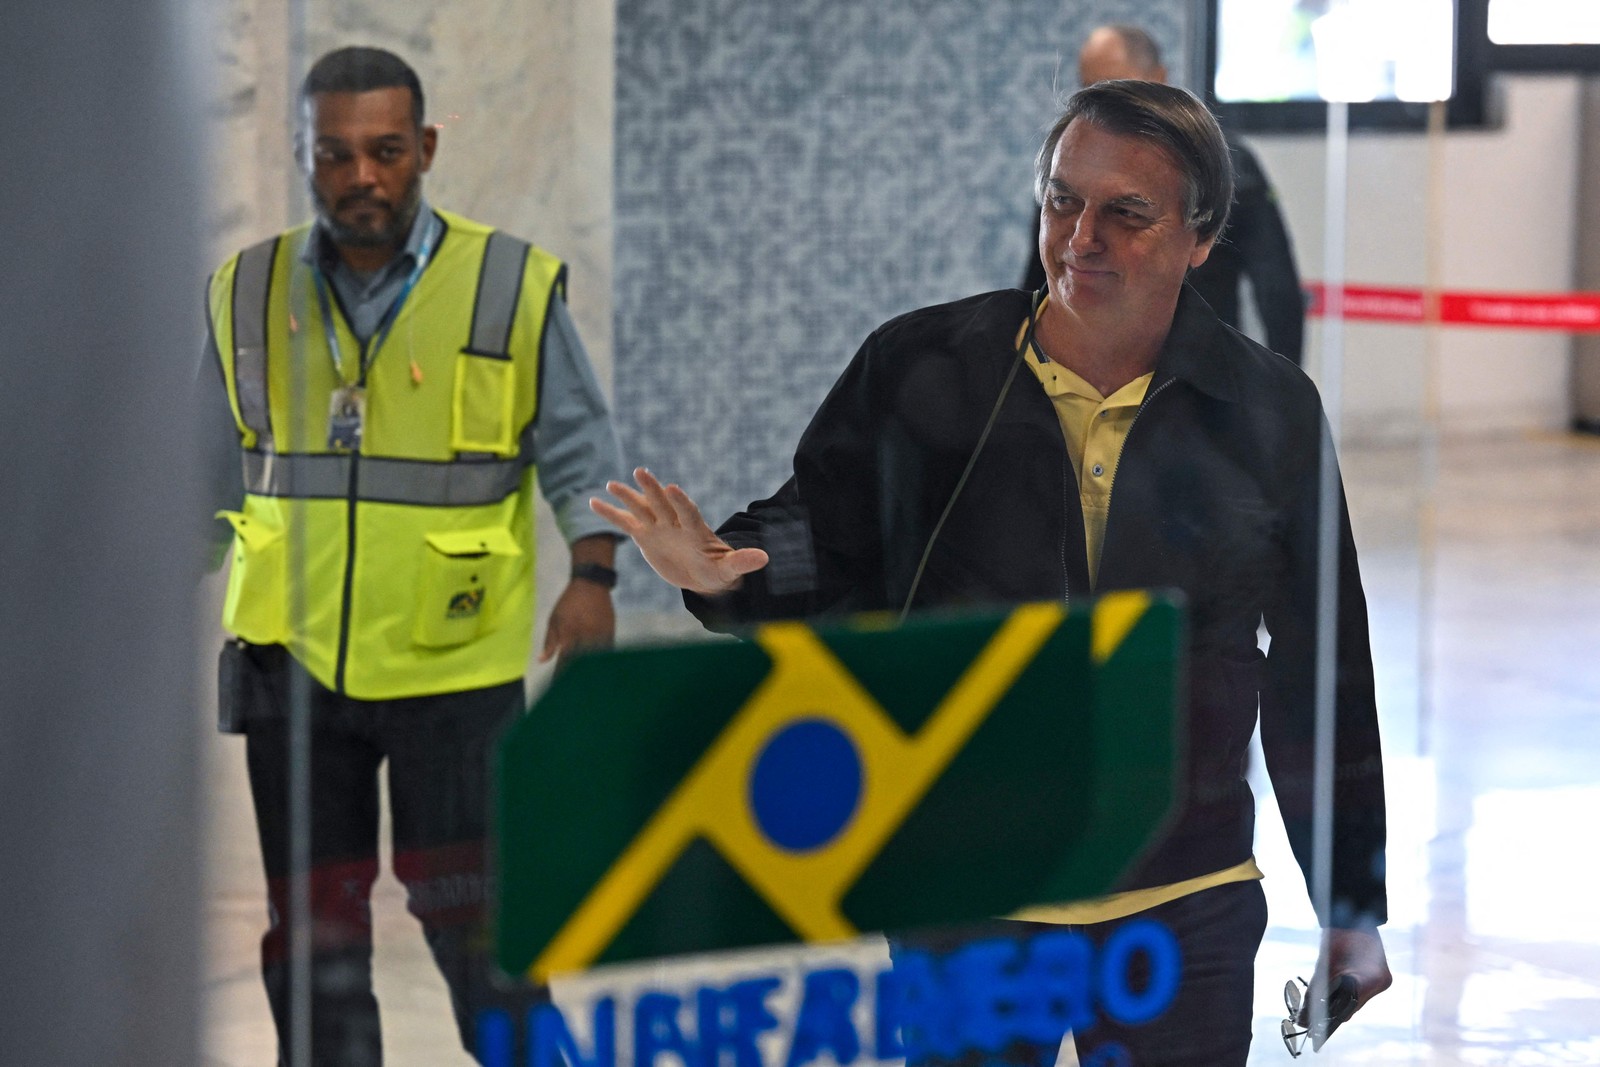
389, 316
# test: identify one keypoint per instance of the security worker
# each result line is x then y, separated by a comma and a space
392, 374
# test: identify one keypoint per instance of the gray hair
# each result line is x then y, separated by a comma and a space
1174, 121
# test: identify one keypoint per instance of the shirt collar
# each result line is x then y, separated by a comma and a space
320, 251
1190, 351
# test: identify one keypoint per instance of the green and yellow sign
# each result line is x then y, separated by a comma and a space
814, 783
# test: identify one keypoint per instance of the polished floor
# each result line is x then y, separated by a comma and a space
1482, 564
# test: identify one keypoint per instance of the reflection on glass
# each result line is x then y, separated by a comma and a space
968, 455
1544, 22
377, 476
1499, 999
1510, 822
1350, 50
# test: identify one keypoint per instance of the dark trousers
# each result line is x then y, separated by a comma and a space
437, 749
1208, 1022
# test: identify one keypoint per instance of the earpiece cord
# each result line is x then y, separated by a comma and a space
977, 450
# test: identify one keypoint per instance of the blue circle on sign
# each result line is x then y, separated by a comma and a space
805, 785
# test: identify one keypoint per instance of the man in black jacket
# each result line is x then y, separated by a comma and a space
968, 456
1256, 244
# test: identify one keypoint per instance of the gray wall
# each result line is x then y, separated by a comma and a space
99, 547
790, 175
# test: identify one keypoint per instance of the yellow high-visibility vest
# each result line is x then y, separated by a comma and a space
403, 567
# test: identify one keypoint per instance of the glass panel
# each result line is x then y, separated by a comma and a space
386, 594
751, 202
100, 548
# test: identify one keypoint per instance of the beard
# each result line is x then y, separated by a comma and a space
389, 235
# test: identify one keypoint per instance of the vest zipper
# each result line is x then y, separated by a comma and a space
346, 601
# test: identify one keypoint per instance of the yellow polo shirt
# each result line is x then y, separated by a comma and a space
1095, 427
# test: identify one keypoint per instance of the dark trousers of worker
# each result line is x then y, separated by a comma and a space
1208, 1022
437, 750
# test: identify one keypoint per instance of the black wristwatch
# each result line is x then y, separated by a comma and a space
598, 573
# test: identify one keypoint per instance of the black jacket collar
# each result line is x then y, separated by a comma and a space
1192, 351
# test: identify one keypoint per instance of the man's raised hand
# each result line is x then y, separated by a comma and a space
674, 538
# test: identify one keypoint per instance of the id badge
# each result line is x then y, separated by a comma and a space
347, 409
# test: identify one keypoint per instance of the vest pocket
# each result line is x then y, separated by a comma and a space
484, 406
255, 605
463, 578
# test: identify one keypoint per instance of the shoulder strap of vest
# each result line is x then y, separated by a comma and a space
499, 289
252, 288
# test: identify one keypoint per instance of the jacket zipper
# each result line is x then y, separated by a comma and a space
1137, 415
1066, 512
1066, 490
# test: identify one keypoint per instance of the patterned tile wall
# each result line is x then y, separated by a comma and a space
791, 173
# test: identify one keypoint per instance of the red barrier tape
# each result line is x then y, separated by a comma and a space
1571, 312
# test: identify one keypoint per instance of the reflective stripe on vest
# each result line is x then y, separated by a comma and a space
326, 476
252, 288
499, 289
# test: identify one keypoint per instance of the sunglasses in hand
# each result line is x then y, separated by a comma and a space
1300, 1025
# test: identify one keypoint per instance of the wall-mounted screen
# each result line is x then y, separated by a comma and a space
1276, 64
1548, 35
1549, 22
1356, 50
